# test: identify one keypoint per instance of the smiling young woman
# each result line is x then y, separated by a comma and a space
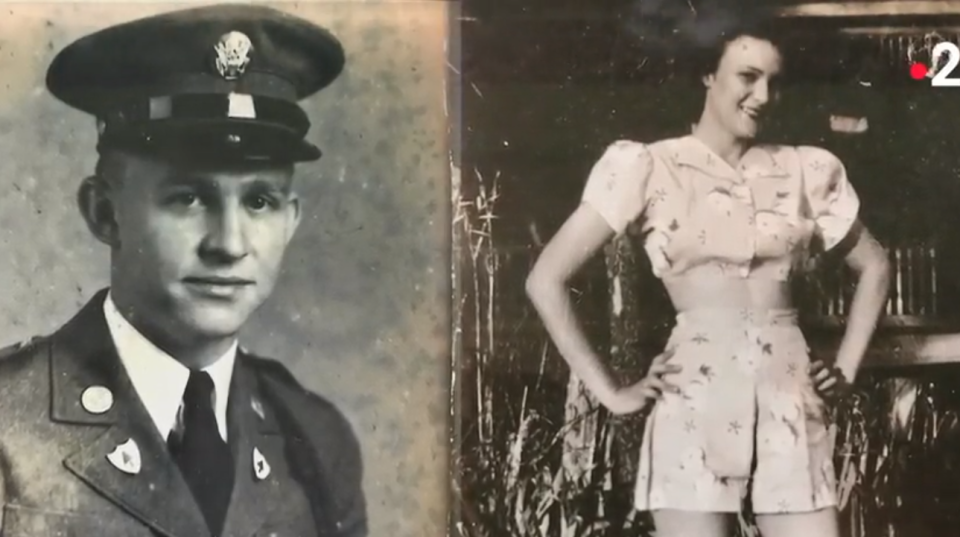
727, 222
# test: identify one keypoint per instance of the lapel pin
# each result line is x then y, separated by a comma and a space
96, 399
126, 457
261, 468
257, 407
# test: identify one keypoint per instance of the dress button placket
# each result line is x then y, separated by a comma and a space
745, 195
752, 345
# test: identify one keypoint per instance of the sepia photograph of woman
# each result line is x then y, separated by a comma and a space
734, 406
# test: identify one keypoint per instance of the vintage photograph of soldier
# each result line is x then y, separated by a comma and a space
704, 258
198, 232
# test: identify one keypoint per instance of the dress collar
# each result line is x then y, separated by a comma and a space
759, 161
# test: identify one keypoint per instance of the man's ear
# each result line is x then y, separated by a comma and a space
97, 208
294, 214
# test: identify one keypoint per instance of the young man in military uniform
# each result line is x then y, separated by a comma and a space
141, 416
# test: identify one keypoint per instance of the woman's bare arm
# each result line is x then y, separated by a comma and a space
870, 261
613, 197
583, 234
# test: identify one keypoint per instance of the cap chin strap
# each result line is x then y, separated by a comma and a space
239, 106
205, 108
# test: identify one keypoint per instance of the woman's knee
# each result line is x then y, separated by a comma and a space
675, 523
822, 523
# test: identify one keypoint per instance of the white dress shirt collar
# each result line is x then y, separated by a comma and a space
158, 378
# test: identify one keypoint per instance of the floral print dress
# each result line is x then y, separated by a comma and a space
747, 420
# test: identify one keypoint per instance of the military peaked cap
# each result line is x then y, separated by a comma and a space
219, 82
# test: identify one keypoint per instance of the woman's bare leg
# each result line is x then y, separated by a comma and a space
822, 523
674, 523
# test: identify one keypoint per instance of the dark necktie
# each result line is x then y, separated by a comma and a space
204, 458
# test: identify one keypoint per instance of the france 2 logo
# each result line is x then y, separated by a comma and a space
939, 72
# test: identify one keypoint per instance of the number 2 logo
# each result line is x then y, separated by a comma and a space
941, 77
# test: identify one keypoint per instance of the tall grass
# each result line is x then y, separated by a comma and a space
524, 466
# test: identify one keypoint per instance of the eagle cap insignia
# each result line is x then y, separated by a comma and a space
232, 55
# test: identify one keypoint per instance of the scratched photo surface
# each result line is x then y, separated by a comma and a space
547, 87
360, 312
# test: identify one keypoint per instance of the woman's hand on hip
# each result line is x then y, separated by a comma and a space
640, 396
828, 380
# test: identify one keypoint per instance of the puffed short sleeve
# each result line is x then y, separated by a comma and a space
617, 184
832, 200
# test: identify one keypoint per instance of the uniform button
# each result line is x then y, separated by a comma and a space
96, 399
744, 271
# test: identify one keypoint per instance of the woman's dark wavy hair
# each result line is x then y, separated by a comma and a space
696, 36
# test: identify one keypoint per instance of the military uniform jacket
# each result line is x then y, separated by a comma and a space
298, 468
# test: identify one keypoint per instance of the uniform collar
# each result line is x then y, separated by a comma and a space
759, 161
158, 378
83, 356
84, 359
